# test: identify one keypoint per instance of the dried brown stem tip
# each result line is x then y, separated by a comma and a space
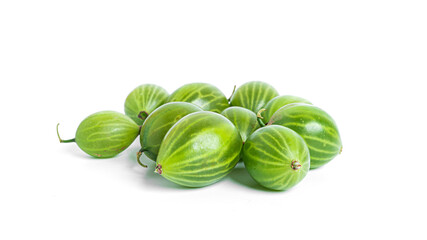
143, 115
295, 165
158, 169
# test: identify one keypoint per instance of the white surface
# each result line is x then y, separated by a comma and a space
364, 62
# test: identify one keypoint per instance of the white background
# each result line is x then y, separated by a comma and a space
364, 62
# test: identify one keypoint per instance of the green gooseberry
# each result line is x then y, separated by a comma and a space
143, 100
253, 95
199, 150
104, 134
315, 126
158, 124
276, 157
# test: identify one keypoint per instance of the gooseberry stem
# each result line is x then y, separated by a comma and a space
234, 89
63, 141
138, 157
259, 117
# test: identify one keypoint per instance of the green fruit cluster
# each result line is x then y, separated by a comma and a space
196, 135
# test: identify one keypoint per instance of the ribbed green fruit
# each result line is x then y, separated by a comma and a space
253, 95
143, 100
315, 126
158, 124
204, 95
244, 119
105, 134
199, 150
276, 157
274, 104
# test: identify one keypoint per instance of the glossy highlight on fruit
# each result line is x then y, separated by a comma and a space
276, 103
105, 134
204, 95
244, 119
158, 124
143, 100
253, 95
315, 126
276, 157
199, 150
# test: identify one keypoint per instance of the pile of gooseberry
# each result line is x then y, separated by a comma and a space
196, 136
